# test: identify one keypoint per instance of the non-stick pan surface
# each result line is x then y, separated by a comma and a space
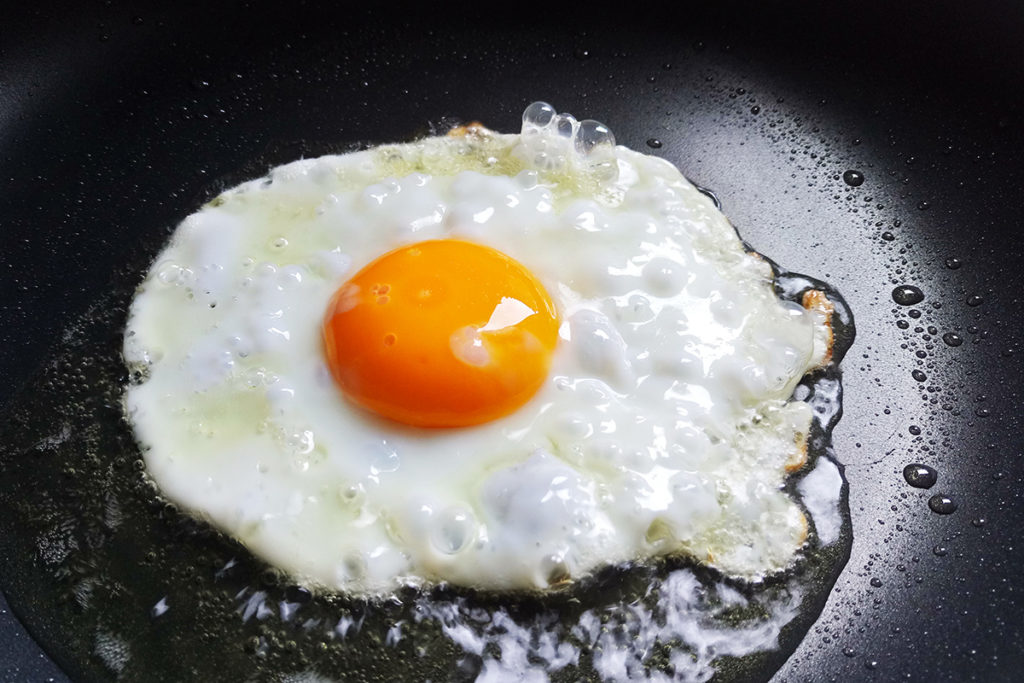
117, 121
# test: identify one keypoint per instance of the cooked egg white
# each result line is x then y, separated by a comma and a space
665, 424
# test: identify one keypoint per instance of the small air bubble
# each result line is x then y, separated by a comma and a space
591, 134
538, 114
566, 125
453, 530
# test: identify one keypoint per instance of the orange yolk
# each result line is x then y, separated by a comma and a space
442, 333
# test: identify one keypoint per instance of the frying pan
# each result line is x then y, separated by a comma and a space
117, 121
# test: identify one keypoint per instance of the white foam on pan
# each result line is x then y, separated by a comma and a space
820, 491
687, 615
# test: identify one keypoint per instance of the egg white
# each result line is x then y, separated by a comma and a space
665, 426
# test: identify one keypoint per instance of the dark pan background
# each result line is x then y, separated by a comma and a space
118, 120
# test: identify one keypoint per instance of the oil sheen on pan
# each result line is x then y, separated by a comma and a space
645, 488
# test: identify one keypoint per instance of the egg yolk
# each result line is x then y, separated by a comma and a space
442, 333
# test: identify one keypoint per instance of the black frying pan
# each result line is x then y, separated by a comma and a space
116, 122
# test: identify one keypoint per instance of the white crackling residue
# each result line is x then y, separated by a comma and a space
820, 491
255, 606
57, 542
305, 677
687, 615
681, 612
112, 650
676, 630
160, 608
54, 440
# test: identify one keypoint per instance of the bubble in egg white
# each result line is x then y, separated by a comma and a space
453, 529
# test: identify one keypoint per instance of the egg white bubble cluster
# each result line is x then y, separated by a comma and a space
666, 425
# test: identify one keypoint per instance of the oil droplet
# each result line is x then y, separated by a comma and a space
920, 476
654, 143
923, 206
940, 551
849, 652
942, 504
975, 300
902, 324
755, 110
915, 430
853, 178
918, 375
952, 339
907, 295
876, 582
979, 522
953, 263
888, 236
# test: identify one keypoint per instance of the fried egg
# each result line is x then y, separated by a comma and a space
500, 361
